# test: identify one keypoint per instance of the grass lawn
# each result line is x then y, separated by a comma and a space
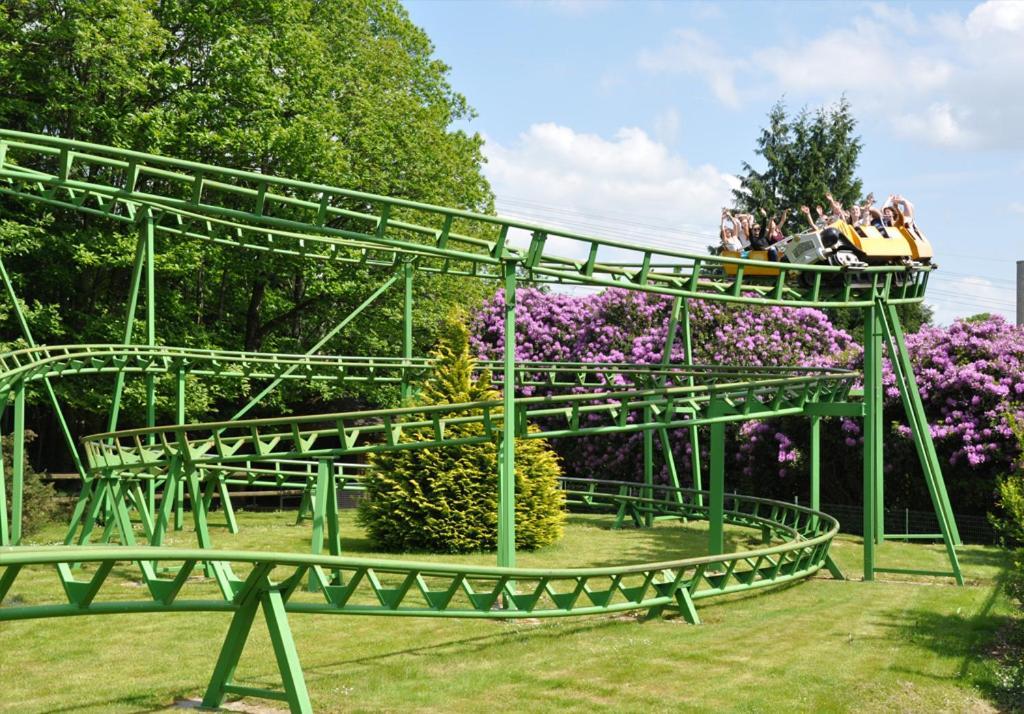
897, 644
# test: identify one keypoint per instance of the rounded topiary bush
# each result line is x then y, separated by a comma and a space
446, 499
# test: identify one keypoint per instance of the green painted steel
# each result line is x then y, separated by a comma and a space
153, 471
199, 201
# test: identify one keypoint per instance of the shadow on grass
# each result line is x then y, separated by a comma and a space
506, 634
987, 558
668, 541
962, 636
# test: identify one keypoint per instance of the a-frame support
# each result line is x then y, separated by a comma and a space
882, 326
258, 593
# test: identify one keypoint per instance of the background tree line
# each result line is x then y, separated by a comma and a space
343, 92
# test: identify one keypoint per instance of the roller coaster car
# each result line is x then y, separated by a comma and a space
852, 247
756, 270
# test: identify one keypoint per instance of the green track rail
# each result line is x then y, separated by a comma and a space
198, 201
125, 469
248, 581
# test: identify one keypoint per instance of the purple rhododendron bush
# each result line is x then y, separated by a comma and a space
971, 377
624, 326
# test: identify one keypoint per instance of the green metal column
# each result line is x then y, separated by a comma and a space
815, 459
407, 273
18, 459
872, 432
694, 436
648, 469
666, 360
716, 501
507, 456
910, 394
151, 341
5, 533
129, 325
174, 489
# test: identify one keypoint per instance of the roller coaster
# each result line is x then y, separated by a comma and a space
138, 483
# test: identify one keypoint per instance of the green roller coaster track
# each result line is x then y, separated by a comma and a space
155, 470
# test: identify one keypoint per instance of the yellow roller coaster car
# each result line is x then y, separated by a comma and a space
841, 244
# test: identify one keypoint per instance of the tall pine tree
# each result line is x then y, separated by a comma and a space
806, 156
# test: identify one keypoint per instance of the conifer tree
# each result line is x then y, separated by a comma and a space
806, 156
445, 499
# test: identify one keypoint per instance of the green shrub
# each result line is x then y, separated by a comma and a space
40, 502
446, 499
1009, 522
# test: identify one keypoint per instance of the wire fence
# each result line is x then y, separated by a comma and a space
903, 521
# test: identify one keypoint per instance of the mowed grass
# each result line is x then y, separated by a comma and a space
897, 644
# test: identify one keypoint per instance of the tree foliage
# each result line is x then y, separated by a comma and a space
344, 92
40, 502
446, 499
806, 155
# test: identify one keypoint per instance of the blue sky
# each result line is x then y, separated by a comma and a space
630, 119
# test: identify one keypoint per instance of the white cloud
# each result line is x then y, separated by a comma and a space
996, 16
937, 125
1016, 207
878, 63
692, 53
897, 18
947, 79
627, 187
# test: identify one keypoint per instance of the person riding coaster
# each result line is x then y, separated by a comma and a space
841, 244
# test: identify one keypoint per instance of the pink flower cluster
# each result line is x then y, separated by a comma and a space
970, 375
622, 326
971, 378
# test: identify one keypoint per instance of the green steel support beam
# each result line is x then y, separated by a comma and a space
914, 408
323, 341
670, 334
716, 498
18, 464
835, 409
230, 653
921, 432
269, 599
670, 463
648, 468
506, 460
147, 229
173, 492
129, 324
27, 334
325, 516
815, 459
284, 651
407, 345
872, 432
693, 430
5, 533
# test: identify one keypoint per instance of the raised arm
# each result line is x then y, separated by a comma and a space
837, 208
908, 209
807, 214
781, 224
